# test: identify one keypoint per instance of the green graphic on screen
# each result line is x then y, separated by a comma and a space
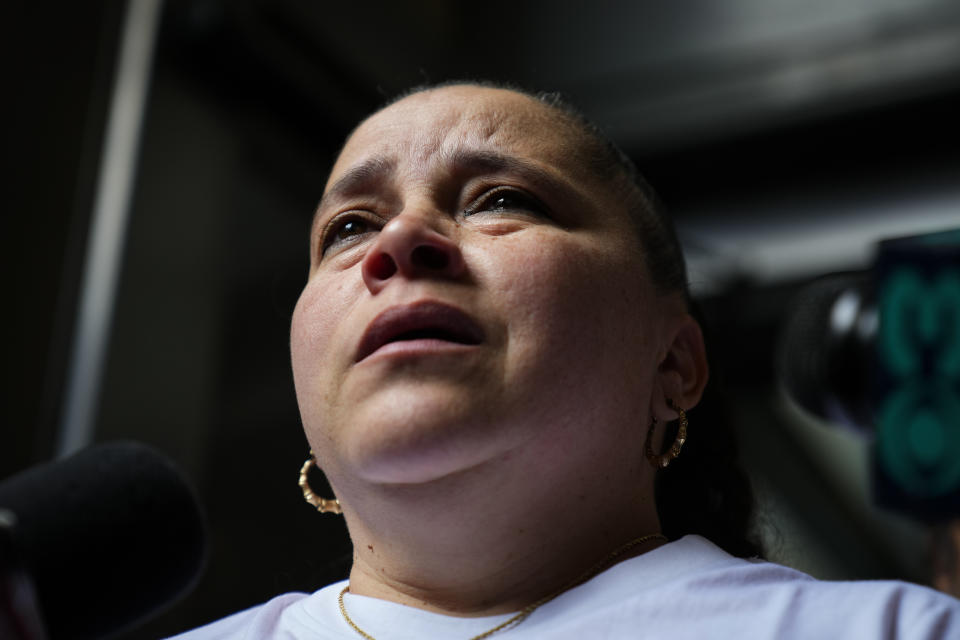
918, 423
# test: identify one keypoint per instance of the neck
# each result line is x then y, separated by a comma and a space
488, 540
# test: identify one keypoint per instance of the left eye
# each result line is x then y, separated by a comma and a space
505, 199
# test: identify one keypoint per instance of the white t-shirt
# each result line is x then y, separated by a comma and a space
688, 589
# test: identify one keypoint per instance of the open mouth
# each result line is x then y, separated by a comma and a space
419, 321
432, 334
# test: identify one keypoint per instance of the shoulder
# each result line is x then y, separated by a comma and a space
291, 615
692, 589
778, 601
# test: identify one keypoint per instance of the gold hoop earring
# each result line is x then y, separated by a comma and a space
323, 505
663, 460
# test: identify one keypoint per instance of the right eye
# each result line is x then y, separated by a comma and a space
345, 230
505, 200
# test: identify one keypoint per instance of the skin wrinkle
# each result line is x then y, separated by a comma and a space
457, 471
358, 180
371, 174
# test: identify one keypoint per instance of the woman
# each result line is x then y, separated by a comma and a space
493, 357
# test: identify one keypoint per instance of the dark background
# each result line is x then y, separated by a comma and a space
785, 138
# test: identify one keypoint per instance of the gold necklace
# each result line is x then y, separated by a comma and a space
524, 613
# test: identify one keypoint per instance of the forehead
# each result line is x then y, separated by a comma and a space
437, 123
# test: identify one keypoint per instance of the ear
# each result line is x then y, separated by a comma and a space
683, 371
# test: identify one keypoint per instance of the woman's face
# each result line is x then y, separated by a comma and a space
475, 293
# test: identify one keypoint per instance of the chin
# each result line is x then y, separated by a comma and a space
419, 439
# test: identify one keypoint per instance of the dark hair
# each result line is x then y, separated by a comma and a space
704, 491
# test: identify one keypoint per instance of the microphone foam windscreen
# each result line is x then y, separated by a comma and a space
110, 535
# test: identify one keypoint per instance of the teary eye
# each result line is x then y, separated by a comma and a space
345, 229
506, 199
351, 228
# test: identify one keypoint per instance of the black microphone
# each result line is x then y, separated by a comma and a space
110, 537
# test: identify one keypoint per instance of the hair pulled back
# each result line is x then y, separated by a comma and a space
704, 491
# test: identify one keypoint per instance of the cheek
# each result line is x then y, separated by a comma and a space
577, 305
309, 327
313, 334
582, 341
572, 283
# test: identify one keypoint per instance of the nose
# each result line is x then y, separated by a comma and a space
411, 247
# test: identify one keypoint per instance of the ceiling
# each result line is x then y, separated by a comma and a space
747, 115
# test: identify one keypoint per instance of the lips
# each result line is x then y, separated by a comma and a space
419, 321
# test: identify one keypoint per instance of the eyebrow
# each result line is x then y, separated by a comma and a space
478, 162
359, 179
474, 162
